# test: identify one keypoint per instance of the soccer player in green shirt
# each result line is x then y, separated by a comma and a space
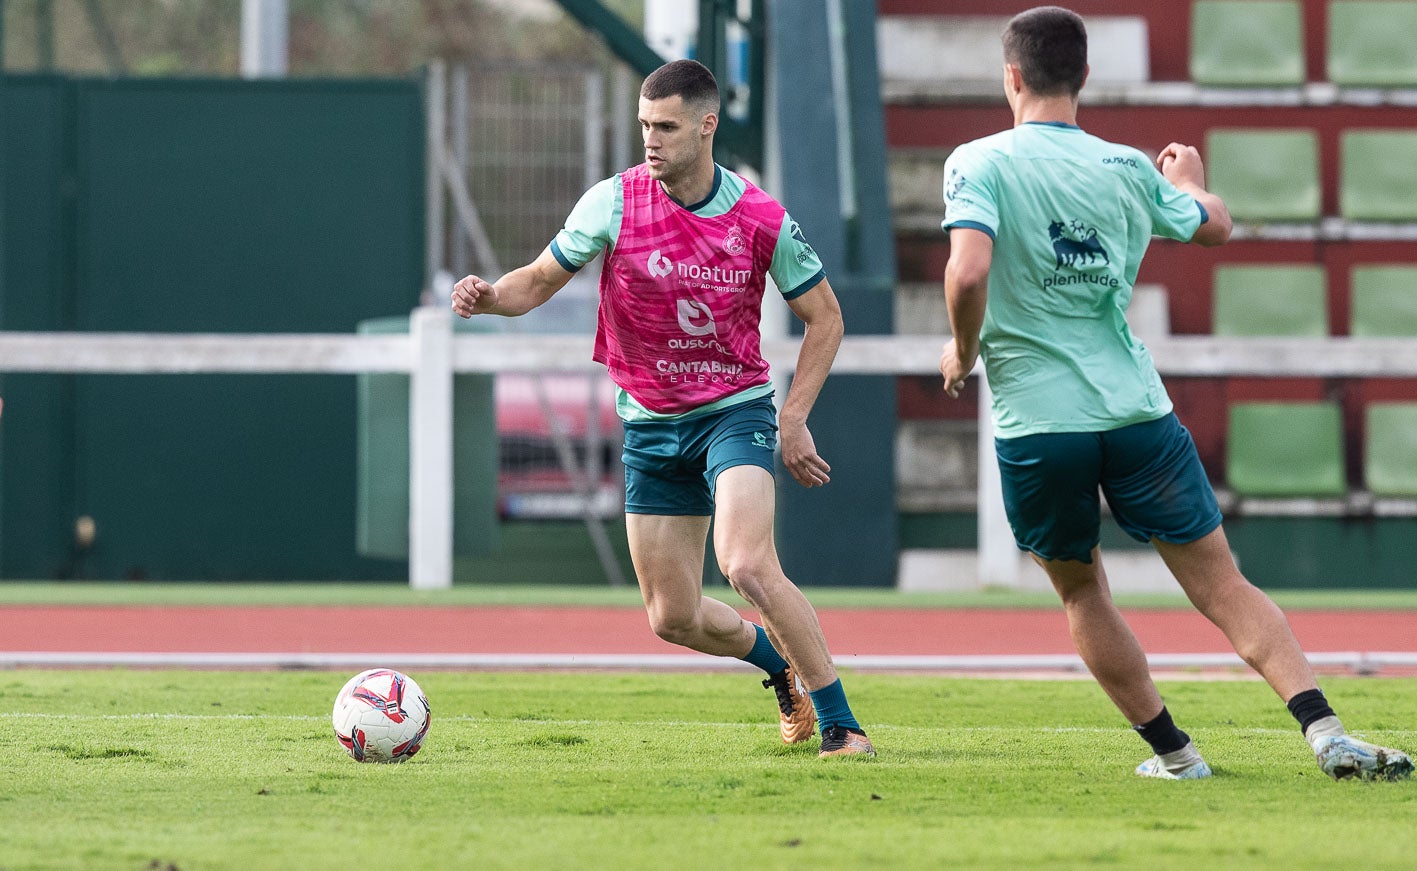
1048, 226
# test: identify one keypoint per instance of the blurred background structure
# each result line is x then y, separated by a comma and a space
323, 166
1303, 112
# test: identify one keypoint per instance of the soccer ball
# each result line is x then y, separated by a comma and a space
381, 716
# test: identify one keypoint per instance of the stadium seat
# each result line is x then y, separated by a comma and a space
1378, 175
1389, 449
1265, 175
1372, 43
1258, 300
1384, 301
1251, 43
1285, 449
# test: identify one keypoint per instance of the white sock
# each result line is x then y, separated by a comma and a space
1324, 728
1179, 760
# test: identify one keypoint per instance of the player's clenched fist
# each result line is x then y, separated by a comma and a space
473, 296
1181, 164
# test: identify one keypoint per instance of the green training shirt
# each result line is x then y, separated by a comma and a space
594, 225
1071, 216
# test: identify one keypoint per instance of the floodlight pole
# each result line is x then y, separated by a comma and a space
44, 34
265, 50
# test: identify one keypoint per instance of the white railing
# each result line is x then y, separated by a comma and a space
430, 354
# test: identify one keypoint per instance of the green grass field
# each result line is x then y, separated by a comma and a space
204, 770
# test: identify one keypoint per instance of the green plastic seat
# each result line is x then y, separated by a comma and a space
1266, 174
1384, 301
1285, 449
1249, 43
1263, 300
1378, 175
1372, 43
1390, 449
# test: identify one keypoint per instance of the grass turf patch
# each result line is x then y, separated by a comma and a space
118, 769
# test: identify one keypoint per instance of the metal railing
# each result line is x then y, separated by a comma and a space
431, 354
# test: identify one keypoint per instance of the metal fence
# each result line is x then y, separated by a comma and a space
535, 141
513, 148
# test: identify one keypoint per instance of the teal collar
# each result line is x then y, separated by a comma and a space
713, 191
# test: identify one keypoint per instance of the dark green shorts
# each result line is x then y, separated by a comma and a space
1149, 473
671, 465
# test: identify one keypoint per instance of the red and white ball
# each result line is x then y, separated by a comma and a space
381, 715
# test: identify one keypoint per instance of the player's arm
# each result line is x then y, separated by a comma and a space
966, 294
821, 313
1182, 166
588, 231
515, 293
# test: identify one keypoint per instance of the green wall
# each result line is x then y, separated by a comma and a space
1275, 553
36, 233
199, 206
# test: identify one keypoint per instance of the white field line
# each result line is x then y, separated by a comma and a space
659, 724
1361, 662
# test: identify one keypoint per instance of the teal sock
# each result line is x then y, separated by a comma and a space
764, 655
832, 709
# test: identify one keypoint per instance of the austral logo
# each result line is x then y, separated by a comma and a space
696, 319
659, 265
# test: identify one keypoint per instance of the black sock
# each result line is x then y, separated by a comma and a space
1308, 706
1161, 733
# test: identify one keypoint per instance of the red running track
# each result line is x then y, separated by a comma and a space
616, 630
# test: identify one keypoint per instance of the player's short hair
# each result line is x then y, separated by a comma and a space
1049, 45
687, 79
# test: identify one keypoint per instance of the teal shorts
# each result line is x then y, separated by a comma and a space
671, 465
1149, 473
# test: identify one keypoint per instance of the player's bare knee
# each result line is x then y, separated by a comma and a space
679, 632
767, 589
747, 579
676, 627
746, 587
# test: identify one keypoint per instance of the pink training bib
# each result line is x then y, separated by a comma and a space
680, 297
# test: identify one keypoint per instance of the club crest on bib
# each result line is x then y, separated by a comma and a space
733, 242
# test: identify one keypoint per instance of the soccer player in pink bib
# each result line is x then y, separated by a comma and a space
688, 247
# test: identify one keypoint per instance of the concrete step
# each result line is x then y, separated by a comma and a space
945, 571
